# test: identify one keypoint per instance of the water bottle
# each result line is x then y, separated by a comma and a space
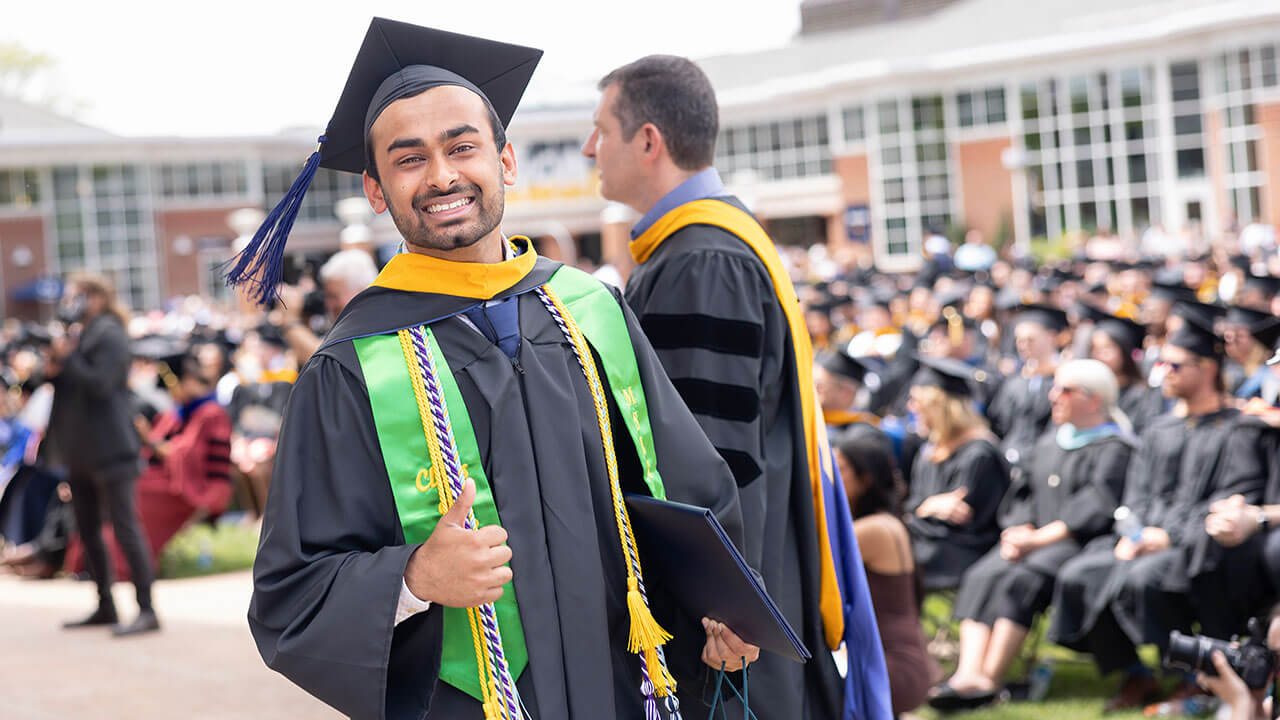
1128, 524
1041, 677
1195, 706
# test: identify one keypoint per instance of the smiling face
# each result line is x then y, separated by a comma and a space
441, 175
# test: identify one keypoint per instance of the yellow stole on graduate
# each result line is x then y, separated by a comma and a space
723, 215
840, 418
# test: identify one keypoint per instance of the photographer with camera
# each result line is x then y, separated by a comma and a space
1237, 674
341, 278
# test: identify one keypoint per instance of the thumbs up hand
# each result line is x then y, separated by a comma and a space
457, 567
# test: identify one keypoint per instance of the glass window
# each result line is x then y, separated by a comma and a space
888, 114
964, 109
1030, 102
854, 129
995, 105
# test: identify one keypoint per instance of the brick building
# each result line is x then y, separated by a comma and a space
882, 120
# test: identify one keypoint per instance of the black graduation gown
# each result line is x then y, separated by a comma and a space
1019, 414
1170, 483
1141, 403
330, 565
709, 307
1080, 487
1230, 585
944, 551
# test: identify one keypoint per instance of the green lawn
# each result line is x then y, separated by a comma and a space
201, 549
1076, 692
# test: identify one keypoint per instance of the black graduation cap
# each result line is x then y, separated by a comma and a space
953, 376
272, 335
845, 365
1127, 333
1197, 337
1207, 314
396, 60
1247, 316
1046, 316
1266, 331
1268, 285
157, 347
1172, 291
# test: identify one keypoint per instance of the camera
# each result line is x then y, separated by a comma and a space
1251, 659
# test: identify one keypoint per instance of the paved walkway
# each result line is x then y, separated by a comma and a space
203, 665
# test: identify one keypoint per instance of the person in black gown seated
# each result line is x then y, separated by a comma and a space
1117, 342
959, 477
1074, 482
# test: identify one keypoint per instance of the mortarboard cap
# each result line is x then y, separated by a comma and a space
1247, 316
1207, 314
1197, 337
157, 347
1268, 285
845, 365
1172, 291
1125, 332
1266, 332
395, 61
952, 376
1050, 318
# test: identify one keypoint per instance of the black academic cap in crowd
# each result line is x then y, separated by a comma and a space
1127, 333
157, 347
1247, 316
1172, 291
1242, 262
952, 376
272, 335
1007, 299
1266, 332
1207, 313
1268, 285
845, 365
396, 60
1197, 337
1096, 288
1046, 316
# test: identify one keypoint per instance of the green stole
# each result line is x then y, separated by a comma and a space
404, 448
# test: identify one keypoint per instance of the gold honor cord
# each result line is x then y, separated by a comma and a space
646, 635
494, 702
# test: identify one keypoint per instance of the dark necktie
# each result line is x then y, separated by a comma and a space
500, 322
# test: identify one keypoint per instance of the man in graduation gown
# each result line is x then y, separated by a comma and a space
1121, 592
344, 604
714, 299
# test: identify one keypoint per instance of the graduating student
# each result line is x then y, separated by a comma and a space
959, 477
1074, 483
715, 300
1121, 592
1117, 342
1019, 412
839, 378
445, 535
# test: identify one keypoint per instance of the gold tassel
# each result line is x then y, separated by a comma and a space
662, 685
646, 633
955, 325
491, 710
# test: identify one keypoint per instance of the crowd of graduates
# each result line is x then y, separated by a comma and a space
1093, 437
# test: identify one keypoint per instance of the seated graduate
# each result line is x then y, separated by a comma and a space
839, 379
1251, 337
959, 477
187, 476
1019, 412
445, 534
1131, 588
1067, 498
1117, 342
865, 458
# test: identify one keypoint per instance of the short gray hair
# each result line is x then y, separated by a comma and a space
353, 267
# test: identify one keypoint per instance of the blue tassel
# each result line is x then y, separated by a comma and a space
259, 267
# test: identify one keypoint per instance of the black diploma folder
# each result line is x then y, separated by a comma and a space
684, 549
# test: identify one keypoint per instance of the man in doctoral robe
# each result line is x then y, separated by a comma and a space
345, 604
714, 299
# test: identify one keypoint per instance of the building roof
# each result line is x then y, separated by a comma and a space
22, 119
967, 36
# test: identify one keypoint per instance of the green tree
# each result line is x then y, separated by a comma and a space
19, 67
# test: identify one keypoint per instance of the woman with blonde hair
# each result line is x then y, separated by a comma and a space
1075, 477
958, 478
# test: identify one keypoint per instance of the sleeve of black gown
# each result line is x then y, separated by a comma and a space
997, 411
709, 318
1137, 494
1241, 469
692, 472
1089, 511
331, 559
987, 480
